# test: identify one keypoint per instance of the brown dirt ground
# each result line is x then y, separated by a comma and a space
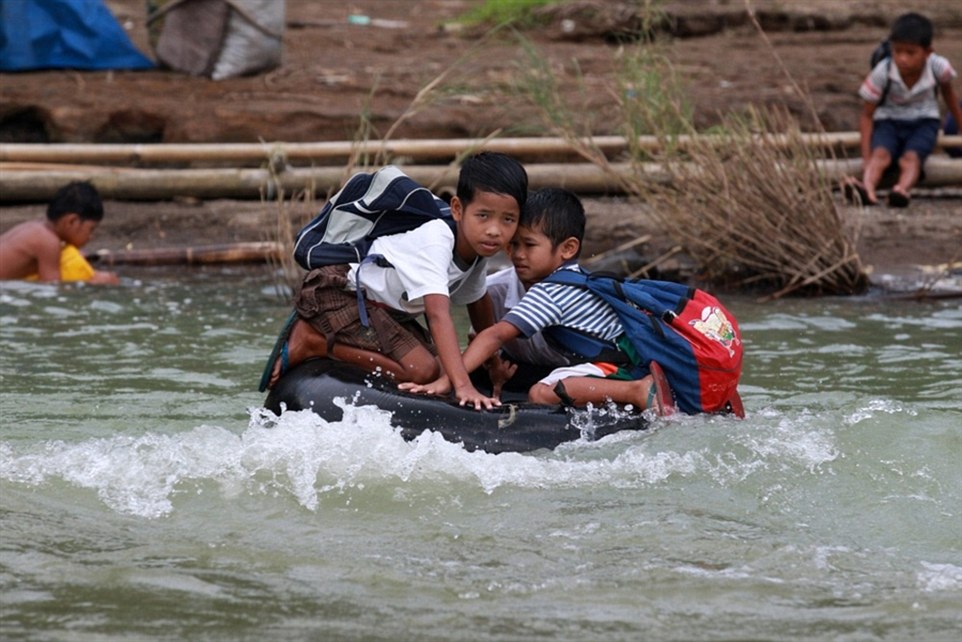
332, 71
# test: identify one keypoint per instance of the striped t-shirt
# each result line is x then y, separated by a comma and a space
554, 304
902, 103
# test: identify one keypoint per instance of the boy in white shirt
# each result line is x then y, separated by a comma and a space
431, 267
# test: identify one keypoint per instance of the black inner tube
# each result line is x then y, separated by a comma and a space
516, 426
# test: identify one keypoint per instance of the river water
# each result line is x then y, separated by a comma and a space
144, 494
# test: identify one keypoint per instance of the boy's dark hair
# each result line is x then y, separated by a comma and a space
492, 172
557, 212
80, 198
912, 28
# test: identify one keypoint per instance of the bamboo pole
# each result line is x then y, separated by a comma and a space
440, 149
194, 255
147, 184
627, 245
20, 185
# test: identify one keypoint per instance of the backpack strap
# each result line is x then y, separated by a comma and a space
361, 304
888, 82
578, 345
610, 287
378, 259
581, 347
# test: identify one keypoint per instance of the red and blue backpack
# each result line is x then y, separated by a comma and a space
691, 335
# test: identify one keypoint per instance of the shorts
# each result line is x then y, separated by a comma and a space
900, 136
602, 370
630, 371
329, 307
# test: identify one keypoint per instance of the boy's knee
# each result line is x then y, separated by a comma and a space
543, 394
910, 157
423, 371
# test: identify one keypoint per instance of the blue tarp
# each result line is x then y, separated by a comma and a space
64, 34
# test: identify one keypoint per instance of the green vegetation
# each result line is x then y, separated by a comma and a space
500, 12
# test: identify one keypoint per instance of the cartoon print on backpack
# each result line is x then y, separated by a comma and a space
716, 326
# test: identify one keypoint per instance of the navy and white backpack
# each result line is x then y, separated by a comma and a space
369, 205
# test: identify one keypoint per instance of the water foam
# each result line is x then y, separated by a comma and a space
300, 455
939, 577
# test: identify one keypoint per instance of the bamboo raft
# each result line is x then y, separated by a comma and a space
32, 172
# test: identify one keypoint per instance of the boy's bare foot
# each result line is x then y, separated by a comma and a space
735, 405
303, 342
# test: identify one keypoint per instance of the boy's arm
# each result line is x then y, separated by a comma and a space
865, 126
438, 312
481, 313
45, 248
487, 343
952, 102
105, 278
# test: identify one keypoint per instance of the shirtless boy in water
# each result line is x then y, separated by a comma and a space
49, 249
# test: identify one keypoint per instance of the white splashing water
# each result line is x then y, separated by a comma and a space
306, 456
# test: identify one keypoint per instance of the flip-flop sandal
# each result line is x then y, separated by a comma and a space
735, 405
856, 195
898, 199
660, 396
279, 351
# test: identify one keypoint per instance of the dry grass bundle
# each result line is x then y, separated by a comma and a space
292, 214
755, 211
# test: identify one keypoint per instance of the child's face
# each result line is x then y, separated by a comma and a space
485, 225
909, 58
74, 230
533, 255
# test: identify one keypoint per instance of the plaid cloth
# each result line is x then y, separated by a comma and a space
330, 308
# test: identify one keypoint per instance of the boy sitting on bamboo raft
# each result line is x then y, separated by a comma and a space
48, 249
900, 118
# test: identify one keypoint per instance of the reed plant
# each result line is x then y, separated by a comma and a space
292, 213
755, 210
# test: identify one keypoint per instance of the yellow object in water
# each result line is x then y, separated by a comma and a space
73, 266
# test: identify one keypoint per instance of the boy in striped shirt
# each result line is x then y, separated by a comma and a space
549, 238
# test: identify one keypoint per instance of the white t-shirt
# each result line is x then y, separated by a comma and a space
423, 263
902, 103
